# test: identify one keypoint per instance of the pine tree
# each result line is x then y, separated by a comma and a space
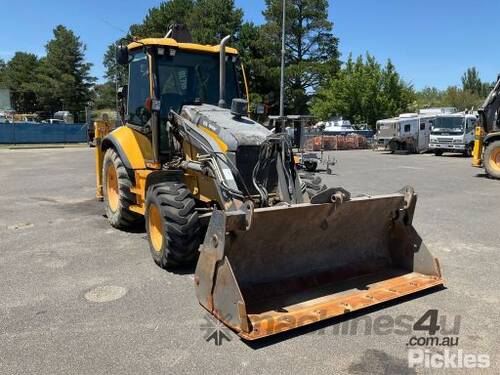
212, 20
159, 19
63, 79
17, 75
311, 48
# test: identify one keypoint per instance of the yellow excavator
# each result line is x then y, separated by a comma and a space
487, 144
213, 186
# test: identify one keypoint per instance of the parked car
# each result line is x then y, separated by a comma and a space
53, 121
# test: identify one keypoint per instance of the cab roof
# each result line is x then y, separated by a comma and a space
169, 42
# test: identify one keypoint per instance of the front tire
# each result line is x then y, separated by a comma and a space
492, 159
116, 186
438, 152
468, 150
172, 223
310, 166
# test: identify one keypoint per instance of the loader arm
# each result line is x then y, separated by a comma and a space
487, 133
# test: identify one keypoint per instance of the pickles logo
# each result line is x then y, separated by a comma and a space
215, 330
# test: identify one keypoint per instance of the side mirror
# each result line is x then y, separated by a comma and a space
239, 107
122, 57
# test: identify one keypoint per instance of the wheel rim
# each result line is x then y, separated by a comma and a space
155, 228
112, 191
495, 159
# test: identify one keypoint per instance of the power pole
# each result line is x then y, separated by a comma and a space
282, 83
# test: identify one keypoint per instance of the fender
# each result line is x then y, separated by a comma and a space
134, 148
495, 136
164, 176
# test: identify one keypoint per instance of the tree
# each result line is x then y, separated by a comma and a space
461, 99
208, 21
212, 20
312, 50
63, 79
471, 81
363, 92
113, 72
18, 74
104, 95
428, 97
3, 66
158, 20
258, 60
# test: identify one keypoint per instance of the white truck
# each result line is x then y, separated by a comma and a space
453, 133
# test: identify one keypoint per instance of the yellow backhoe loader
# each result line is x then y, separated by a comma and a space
211, 184
487, 144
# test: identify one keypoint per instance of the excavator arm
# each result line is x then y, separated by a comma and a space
489, 116
487, 143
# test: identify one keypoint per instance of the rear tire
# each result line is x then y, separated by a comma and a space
311, 166
491, 159
116, 185
172, 223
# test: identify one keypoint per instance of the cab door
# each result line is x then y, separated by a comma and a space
423, 135
469, 130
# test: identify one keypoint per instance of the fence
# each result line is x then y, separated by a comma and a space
34, 133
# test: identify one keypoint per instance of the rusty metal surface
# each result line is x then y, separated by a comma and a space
298, 264
289, 317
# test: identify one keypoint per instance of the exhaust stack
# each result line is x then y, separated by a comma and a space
222, 71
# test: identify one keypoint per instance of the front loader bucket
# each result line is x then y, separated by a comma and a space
295, 265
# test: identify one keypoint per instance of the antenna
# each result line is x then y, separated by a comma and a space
114, 27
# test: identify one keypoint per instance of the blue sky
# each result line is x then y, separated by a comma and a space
431, 42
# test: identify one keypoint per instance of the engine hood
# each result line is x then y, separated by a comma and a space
234, 132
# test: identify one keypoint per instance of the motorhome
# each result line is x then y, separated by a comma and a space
386, 130
409, 132
453, 133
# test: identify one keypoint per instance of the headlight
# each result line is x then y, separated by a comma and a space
456, 141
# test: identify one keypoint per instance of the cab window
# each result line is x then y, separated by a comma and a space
471, 124
138, 91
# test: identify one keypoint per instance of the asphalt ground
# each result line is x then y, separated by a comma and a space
77, 296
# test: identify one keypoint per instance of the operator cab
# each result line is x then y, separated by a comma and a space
164, 75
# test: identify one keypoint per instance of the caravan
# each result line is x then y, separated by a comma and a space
410, 132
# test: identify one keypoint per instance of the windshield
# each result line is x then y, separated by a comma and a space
449, 123
188, 78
